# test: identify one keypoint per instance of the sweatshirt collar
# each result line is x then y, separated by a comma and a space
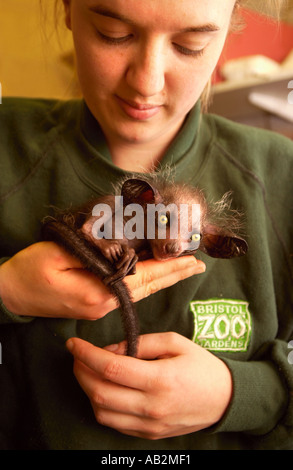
93, 160
177, 149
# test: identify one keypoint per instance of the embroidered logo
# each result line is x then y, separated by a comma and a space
221, 324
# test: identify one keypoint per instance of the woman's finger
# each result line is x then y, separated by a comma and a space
152, 275
122, 370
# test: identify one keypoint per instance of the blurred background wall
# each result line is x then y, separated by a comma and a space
34, 60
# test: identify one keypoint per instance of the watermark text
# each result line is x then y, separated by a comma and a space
290, 96
290, 355
155, 221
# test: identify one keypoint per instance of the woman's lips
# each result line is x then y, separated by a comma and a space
138, 111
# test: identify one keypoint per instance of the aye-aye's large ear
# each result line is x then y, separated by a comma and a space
137, 191
219, 244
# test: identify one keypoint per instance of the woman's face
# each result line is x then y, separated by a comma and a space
143, 64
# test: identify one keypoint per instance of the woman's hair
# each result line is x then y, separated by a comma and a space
267, 7
271, 8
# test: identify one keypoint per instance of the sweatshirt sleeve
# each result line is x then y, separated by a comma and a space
5, 315
261, 409
262, 402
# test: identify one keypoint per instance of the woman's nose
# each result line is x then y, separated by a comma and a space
146, 72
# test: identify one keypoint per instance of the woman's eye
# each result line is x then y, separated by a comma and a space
189, 52
113, 39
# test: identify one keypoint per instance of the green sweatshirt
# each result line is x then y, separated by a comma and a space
54, 153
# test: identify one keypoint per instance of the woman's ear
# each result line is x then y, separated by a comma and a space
67, 10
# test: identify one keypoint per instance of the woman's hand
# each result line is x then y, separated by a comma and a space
43, 280
174, 387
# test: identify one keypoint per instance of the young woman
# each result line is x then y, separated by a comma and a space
212, 369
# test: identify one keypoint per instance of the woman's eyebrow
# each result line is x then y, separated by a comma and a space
103, 11
205, 28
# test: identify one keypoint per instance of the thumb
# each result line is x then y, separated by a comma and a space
162, 345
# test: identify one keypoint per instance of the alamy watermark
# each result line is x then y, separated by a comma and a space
0, 93
290, 101
290, 355
290, 95
154, 221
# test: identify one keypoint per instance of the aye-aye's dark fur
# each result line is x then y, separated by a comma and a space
112, 259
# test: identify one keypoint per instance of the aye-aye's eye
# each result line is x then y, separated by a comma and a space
195, 237
163, 219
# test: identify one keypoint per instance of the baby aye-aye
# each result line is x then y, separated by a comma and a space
108, 239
